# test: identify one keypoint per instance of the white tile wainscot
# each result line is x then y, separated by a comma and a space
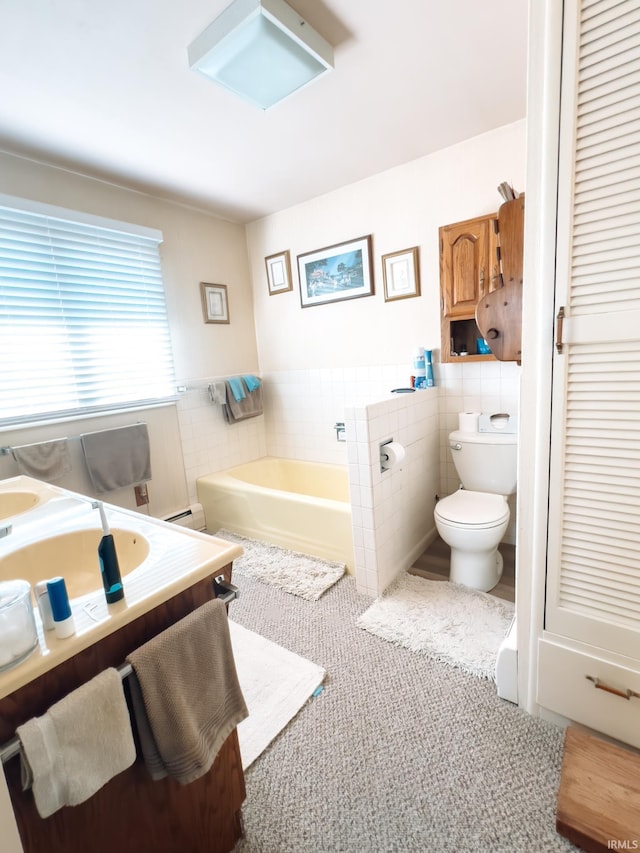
392, 510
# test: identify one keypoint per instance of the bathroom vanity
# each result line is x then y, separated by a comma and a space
131, 812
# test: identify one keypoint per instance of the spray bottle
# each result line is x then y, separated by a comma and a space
109, 568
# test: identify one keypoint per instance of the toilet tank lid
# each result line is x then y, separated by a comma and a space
483, 437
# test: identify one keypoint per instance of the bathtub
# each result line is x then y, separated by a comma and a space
302, 506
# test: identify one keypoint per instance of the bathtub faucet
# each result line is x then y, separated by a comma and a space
340, 431
5, 530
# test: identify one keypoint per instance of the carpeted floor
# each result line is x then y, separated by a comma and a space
398, 754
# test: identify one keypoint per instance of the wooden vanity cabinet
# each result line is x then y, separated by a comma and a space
469, 269
131, 812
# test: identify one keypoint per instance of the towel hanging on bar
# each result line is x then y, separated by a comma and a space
46, 460
117, 457
79, 745
250, 406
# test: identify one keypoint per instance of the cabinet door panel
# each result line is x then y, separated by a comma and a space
464, 263
593, 564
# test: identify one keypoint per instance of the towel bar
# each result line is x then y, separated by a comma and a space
225, 591
12, 747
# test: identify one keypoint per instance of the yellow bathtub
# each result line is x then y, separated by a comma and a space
302, 506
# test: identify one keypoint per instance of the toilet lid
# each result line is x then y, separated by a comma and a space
477, 509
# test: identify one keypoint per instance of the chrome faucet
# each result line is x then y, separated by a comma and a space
5, 530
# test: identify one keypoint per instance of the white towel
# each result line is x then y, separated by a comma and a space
82, 742
117, 457
46, 460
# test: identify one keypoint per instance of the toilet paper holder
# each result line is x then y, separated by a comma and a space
384, 455
390, 456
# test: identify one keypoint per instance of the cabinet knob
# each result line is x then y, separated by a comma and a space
493, 334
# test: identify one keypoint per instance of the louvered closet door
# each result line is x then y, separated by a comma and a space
593, 573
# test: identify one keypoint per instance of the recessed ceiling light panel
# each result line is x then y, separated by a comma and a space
262, 50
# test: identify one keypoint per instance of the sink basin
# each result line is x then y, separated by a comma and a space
13, 503
73, 556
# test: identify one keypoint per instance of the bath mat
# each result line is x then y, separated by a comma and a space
275, 683
442, 620
298, 574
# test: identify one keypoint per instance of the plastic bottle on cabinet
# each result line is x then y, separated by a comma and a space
428, 358
419, 368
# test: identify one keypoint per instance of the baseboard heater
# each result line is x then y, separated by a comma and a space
191, 516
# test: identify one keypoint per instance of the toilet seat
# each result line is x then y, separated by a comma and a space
473, 510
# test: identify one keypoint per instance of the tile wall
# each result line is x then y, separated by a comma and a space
392, 510
209, 444
304, 405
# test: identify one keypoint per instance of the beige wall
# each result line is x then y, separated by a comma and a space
316, 361
400, 208
197, 247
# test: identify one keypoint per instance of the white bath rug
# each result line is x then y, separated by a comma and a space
275, 683
298, 574
444, 621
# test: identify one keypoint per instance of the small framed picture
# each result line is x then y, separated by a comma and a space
401, 271
215, 305
279, 273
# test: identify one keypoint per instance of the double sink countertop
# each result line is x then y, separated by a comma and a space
177, 558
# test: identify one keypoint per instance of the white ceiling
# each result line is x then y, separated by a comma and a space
105, 88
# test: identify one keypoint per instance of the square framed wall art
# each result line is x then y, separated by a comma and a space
401, 272
279, 273
215, 305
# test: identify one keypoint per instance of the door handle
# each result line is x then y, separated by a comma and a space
559, 323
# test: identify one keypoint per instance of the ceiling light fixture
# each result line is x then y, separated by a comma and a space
262, 50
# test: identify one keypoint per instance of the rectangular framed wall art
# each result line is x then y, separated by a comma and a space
401, 272
215, 305
339, 272
279, 273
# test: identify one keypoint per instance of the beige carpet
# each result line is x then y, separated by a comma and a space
275, 684
295, 573
399, 754
447, 622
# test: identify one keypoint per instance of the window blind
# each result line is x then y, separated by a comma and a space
83, 323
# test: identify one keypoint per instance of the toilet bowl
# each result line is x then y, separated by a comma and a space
473, 520
473, 524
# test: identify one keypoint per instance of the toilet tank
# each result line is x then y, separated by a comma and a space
485, 462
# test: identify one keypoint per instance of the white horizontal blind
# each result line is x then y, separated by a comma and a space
83, 324
594, 551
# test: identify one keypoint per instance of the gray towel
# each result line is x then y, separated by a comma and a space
148, 745
82, 742
191, 693
249, 407
46, 460
117, 457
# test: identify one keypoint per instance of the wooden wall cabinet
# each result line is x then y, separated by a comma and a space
469, 270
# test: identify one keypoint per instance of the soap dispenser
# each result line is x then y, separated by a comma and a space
109, 568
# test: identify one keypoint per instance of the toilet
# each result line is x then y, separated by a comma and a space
473, 520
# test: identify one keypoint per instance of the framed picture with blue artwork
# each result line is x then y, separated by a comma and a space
336, 273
